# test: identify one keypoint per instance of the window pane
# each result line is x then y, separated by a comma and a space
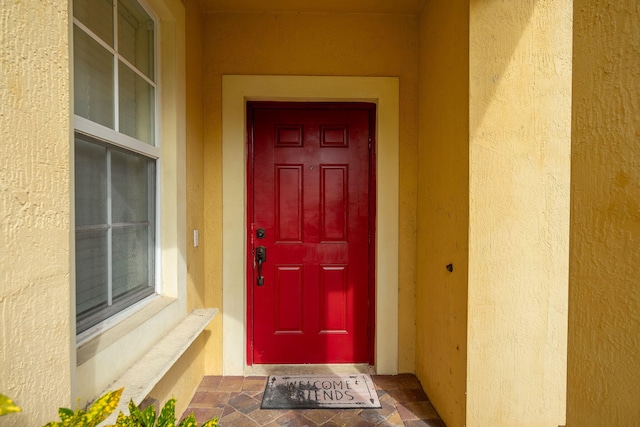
91, 271
131, 267
137, 106
132, 192
93, 79
90, 183
97, 15
135, 36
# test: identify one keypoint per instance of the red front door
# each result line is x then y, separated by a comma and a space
310, 298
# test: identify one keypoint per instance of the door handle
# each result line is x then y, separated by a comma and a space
261, 256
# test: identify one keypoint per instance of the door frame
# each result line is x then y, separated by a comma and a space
236, 90
371, 180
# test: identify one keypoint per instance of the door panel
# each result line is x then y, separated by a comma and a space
310, 190
334, 208
289, 300
334, 289
288, 203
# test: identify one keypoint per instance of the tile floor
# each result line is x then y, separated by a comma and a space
236, 403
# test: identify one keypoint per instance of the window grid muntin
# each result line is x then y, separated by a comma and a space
113, 51
95, 314
109, 231
117, 57
150, 62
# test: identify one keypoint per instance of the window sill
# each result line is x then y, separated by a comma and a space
141, 378
96, 339
112, 349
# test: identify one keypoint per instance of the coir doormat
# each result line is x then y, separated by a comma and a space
320, 391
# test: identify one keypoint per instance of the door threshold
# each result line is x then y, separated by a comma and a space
324, 369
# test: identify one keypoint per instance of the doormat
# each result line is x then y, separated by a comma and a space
320, 391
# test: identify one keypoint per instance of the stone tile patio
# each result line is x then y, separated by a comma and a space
236, 402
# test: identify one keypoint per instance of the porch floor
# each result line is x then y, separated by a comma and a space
236, 403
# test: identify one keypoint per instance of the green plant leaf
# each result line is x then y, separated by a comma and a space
148, 416
125, 421
133, 408
66, 414
211, 423
85, 420
167, 416
67, 418
7, 406
135, 415
189, 421
102, 408
98, 412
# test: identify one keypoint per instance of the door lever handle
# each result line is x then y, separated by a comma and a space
261, 256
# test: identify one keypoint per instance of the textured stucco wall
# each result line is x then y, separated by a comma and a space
195, 155
35, 296
604, 301
37, 352
182, 380
519, 170
182, 102
443, 207
201, 293
312, 44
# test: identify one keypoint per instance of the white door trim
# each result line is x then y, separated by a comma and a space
236, 90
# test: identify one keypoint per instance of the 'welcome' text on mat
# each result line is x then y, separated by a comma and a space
320, 391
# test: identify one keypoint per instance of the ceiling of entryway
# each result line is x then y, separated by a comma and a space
401, 7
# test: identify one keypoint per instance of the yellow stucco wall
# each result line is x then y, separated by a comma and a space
443, 207
38, 340
312, 44
604, 310
183, 378
519, 155
35, 297
195, 156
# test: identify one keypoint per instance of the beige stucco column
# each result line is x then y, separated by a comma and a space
519, 173
37, 338
604, 319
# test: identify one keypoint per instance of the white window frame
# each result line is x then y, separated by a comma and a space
118, 140
104, 352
